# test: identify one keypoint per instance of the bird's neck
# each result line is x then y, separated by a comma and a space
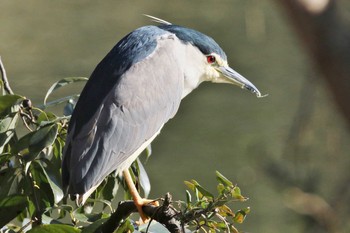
194, 68
190, 84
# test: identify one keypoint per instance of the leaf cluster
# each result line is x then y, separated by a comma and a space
31, 144
204, 211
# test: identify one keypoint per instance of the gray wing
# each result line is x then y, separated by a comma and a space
147, 95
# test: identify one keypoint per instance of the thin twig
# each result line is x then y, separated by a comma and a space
25, 225
4, 78
27, 117
26, 124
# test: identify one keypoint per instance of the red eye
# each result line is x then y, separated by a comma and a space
211, 59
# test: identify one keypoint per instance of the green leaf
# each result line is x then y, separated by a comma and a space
59, 101
48, 220
44, 117
236, 193
54, 228
188, 198
92, 228
204, 192
223, 180
6, 102
221, 188
109, 190
241, 214
198, 190
105, 202
22, 143
57, 150
63, 210
87, 218
7, 123
10, 207
2, 90
43, 187
10, 182
7, 130
4, 158
224, 211
53, 177
42, 138
126, 226
148, 151
143, 178
197, 194
31, 207
63, 82
190, 185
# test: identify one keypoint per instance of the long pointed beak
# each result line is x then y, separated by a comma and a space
237, 79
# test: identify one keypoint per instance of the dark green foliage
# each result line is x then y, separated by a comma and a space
31, 144
11, 206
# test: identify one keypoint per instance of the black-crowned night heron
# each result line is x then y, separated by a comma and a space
129, 97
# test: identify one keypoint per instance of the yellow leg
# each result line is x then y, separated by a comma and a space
138, 200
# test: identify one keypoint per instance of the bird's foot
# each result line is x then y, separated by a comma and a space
141, 202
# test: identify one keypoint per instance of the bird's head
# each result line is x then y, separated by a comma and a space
218, 71
210, 59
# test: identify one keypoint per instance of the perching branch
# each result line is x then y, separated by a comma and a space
4, 78
165, 215
206, 212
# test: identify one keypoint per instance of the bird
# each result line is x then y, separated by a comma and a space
136, 88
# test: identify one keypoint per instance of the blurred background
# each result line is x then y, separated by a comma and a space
288, 152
